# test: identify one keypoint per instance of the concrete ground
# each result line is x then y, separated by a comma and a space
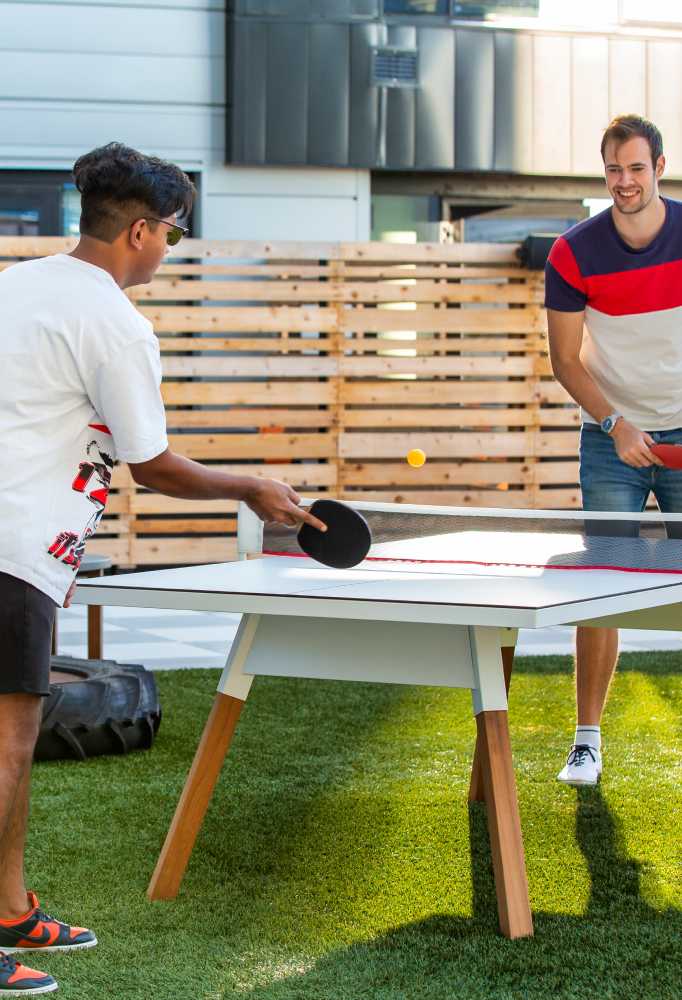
171, 640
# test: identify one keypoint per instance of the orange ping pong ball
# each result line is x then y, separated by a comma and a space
416, 458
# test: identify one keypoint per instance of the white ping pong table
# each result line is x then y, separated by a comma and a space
439, 608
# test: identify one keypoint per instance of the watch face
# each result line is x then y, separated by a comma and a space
607, 424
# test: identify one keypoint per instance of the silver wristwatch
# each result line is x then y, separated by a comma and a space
608, 423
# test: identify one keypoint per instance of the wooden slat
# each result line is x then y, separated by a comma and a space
256, 446
440, 473
458, 417
277, 417
246, 393
240, 319
186, 526
174, 289
189, 551
293, 367
446, 445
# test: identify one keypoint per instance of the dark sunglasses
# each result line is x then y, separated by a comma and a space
175, 232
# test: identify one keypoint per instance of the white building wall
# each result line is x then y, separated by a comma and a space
152, 75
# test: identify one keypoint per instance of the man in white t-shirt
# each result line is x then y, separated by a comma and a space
81, 389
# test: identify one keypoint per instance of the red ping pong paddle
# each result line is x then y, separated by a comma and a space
669, 454
346, 541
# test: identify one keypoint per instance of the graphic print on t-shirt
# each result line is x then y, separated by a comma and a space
92, 480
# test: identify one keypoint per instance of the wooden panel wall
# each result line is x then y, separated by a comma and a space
323, 364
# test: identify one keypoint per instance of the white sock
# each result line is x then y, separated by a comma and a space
590, 735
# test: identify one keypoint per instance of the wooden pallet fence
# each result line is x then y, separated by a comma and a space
323, 364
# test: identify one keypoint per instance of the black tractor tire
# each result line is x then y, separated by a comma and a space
97, 707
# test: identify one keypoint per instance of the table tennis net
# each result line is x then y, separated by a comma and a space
424, 540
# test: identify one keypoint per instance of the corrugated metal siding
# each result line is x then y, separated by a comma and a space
487, 99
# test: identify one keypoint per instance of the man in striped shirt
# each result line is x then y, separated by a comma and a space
614, 307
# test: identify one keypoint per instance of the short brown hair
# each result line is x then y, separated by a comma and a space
626, 127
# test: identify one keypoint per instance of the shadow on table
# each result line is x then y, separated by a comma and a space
620, 947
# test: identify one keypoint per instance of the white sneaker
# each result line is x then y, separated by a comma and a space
583, 766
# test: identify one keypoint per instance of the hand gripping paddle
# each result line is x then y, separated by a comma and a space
669, 454
346, 541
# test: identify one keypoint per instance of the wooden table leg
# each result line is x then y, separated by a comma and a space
476, 783
196, 795
504, 824
94, 632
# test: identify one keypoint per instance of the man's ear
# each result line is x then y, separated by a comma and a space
660, 166
136, 233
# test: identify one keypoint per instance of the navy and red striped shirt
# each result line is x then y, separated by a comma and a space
632, 299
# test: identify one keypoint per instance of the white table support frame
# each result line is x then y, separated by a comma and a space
460, 656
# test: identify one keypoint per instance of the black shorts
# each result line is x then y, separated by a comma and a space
26, 621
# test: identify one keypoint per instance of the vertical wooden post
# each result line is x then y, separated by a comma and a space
196, 795
504, 824
476, 793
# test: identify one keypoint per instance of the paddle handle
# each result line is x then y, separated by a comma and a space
249, 532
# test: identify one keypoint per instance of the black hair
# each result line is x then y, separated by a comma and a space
119, 185
626, 127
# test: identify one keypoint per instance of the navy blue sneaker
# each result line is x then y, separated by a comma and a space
38, 931
16, 980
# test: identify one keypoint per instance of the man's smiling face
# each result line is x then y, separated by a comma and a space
631, 177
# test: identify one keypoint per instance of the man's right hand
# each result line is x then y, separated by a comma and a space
273, 500
632, 445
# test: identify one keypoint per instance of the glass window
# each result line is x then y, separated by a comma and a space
71, 210
416, 6
18, 222
480, 10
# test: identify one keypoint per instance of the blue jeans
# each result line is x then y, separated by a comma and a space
609, 484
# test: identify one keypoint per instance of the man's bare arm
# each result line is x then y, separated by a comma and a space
176, 476
565, 332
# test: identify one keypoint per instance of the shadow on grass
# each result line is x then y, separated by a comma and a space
620, 947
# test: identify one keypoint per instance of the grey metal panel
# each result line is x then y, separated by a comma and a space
400, 107
435, 100
513, 101
551, 104
60, 129
249, 74
589, 101
364, 100
201, 5
627, 76
337, 9
474, 100
287, 93
329, 83
115, 77
32, 27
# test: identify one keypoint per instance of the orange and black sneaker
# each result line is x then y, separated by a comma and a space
38, 931
17, 980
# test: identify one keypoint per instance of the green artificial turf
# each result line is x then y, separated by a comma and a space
339, 859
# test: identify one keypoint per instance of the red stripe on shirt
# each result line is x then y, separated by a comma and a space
563, 261
100, 427
645, 290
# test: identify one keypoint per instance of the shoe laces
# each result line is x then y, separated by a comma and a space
8, 962
579, 753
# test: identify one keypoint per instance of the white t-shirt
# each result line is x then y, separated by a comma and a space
81, 373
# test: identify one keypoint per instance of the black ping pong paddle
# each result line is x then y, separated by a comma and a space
669, 454
346, 541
